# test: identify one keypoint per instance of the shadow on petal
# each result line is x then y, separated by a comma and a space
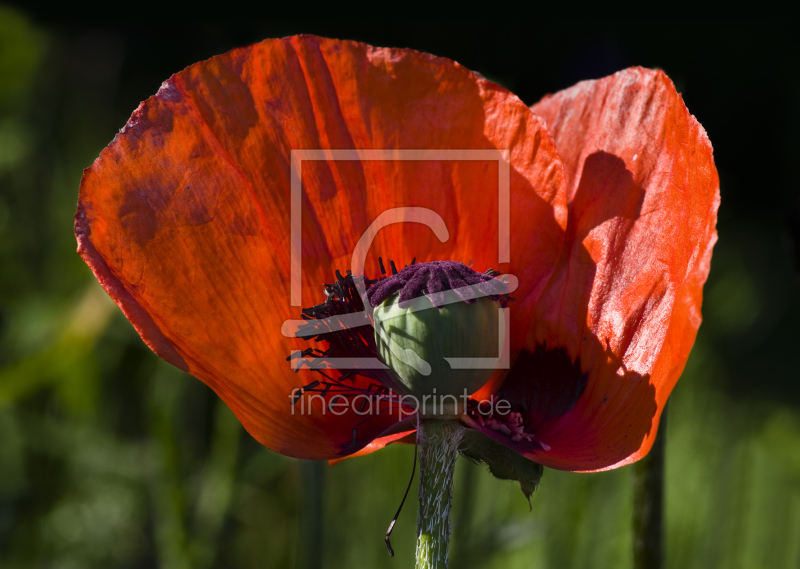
572, 386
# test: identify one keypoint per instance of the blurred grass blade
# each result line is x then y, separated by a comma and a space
648, 504
66, 363
217, 486
312, 535
462, 545
166, 484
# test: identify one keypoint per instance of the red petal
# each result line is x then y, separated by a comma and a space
643, 195
185, 217
403, 438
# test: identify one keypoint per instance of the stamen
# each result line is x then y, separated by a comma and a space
332, 402
376, 394
512, 425
342, 297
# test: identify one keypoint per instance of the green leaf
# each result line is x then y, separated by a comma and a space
502, 462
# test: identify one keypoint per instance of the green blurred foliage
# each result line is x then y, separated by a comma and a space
111, 458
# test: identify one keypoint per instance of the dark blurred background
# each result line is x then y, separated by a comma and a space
111, 458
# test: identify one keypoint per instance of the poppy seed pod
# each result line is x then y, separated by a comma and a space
439, 327
420, 342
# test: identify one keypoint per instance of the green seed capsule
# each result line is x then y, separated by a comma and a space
417, 341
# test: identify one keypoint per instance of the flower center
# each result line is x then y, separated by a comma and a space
438, 327
438, 283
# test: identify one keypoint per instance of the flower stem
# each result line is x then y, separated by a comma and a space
438, 450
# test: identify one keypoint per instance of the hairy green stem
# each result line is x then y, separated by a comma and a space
438, 450
648, 504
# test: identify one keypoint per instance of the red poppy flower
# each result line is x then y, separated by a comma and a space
609, 220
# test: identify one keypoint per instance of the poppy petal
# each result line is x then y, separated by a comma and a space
625, 301
186, 218
404, 438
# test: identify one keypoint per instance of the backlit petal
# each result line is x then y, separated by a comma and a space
186, 217
403, 438
625, 301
